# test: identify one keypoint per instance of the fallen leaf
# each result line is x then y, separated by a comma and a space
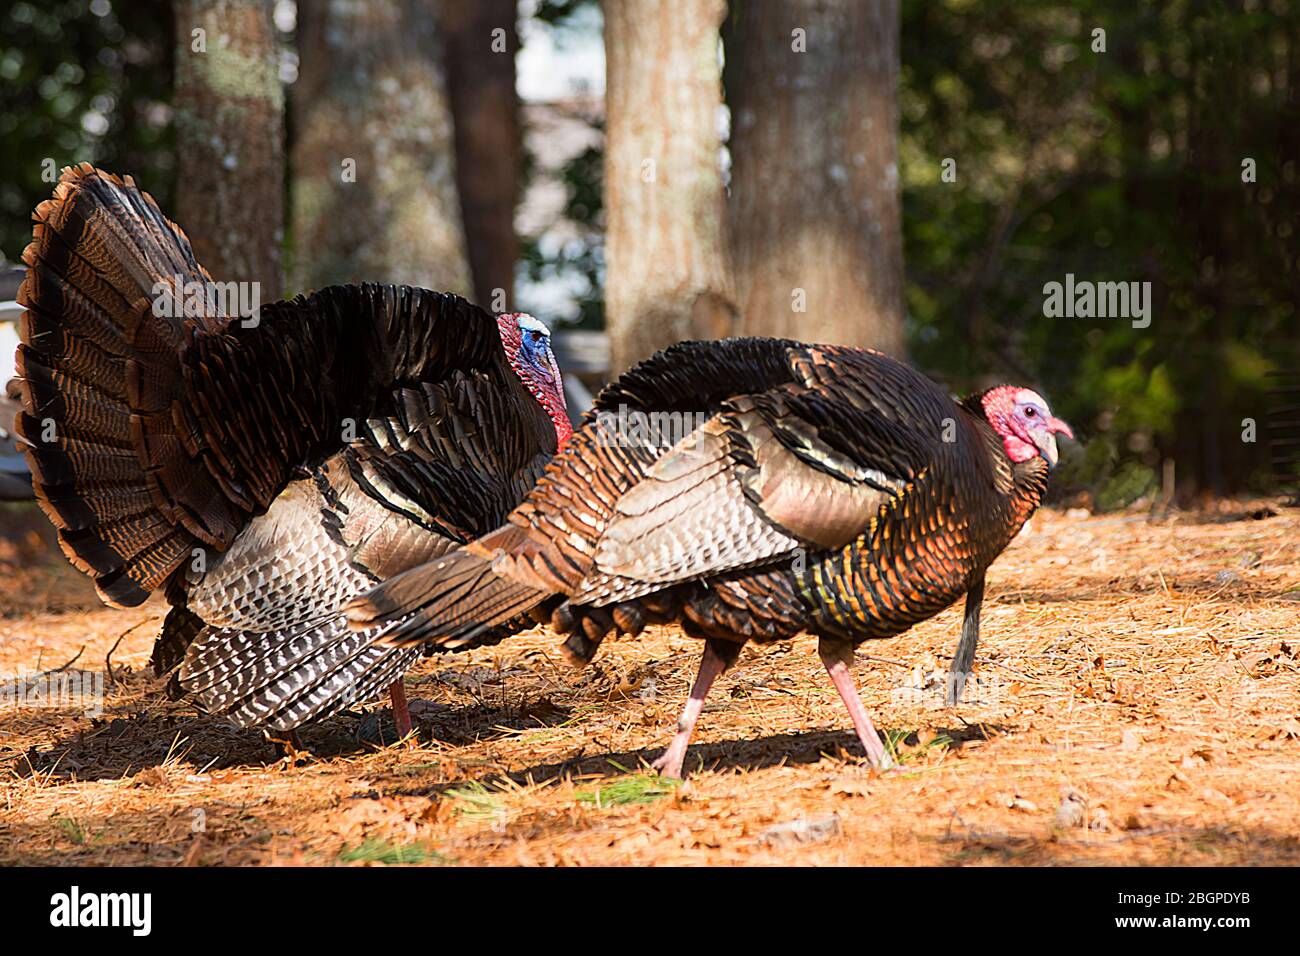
1134, 821
850, 787
1071, 810
802, 831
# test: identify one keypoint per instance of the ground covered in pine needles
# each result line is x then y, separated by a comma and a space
1138, 703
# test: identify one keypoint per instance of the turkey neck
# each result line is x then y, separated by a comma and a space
926, 546
1019, 486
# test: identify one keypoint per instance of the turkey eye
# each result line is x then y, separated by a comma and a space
1029, 412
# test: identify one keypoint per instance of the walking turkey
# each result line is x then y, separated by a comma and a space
260, 470
828, 489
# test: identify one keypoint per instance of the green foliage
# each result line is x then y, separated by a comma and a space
81, 81
476, 802
634, 788
1126, 485
390, 854
71, 829
1123, 165
900, 750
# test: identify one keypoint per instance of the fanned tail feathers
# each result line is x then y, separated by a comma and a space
97, 368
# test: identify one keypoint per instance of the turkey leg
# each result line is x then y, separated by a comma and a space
401, 713
837, 655
964, 659
718, 656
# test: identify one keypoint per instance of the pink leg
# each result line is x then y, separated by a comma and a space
712, 665
401, 713
836, 655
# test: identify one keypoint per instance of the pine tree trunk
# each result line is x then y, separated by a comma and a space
230, 139
482, 40
374, 172
667, 271
815, 209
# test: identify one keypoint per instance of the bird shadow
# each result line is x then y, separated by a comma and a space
1235, 591
740, 755
116, 747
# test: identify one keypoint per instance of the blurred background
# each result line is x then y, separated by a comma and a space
907, 175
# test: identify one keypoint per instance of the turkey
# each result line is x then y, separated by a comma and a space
819, 489
261, 469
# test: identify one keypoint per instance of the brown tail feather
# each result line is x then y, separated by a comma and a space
450, 602
98, 372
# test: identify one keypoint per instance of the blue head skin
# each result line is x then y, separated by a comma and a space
535, 343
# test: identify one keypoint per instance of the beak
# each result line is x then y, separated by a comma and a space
1060, 428
1045, 439
1046, 443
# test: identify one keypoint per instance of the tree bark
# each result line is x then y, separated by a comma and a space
481, 88
374, 172
815, 210
668, 276
230, 139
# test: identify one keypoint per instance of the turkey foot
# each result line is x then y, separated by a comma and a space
718, 656
421, 708
837, 655
288, 746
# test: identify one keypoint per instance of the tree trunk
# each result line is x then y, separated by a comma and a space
815, 210
230, 139
667, 272
374, 172
481, 41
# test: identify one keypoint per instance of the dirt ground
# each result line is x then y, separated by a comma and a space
1138, 703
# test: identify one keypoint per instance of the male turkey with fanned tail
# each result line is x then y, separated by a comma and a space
822, 489
262, 470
